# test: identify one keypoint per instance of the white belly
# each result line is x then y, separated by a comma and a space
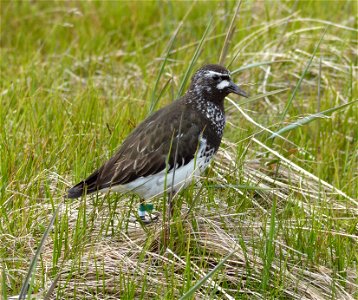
155, 185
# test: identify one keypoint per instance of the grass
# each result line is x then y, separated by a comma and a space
274, 218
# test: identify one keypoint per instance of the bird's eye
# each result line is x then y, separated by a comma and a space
216, 77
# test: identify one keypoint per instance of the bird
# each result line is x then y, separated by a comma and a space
172, 146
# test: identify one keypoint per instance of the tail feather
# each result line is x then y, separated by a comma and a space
87, 186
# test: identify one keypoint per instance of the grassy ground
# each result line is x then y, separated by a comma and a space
77, 77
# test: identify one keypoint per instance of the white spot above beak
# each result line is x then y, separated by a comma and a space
223, 84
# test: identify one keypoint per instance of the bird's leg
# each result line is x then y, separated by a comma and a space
170, 205
146, 208
170, 213
141, 210
166, 224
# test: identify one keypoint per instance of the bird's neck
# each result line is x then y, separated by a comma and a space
202, 99
211, 111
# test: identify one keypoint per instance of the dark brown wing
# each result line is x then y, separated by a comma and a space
146, 149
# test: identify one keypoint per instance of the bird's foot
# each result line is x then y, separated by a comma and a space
146, 214
149, 218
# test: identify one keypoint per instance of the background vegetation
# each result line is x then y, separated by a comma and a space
77, 77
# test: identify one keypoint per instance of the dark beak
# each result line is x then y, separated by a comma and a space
233, 88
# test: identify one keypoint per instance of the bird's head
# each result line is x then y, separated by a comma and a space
214, 81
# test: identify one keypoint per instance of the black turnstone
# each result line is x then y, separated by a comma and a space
180, 138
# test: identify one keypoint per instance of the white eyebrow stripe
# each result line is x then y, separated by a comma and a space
223, 84
213, 73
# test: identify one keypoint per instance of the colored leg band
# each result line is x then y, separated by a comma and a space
143, 208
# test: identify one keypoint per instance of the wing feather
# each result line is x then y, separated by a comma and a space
151, 145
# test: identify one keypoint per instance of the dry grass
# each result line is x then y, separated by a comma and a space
134, 251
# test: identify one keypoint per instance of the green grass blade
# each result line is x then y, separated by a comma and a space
241, 187
52, 287
3, 284
229, 36
32, 267
194, 59
309, 119
259, 64
194, 288
257, 97
302, 76
154, 100
270, 248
